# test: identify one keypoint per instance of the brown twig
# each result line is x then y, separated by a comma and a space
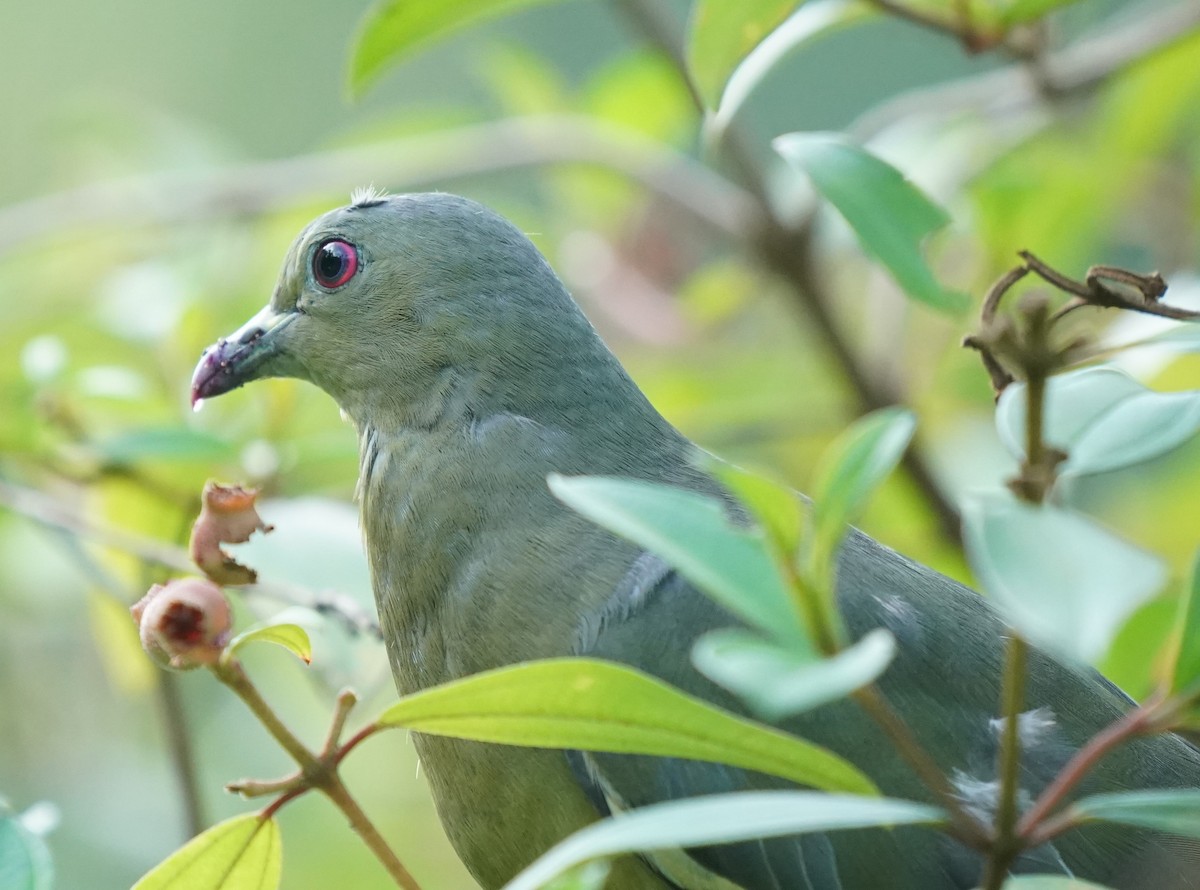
1079, 68
1034, 827
408, 163
786, 249
958, 25
50, 511
998, 339
317, 771
963, 825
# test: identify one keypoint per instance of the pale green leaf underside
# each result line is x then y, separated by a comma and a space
813, 19
1057, 577
1050, 882
1103, 419
691, 532
1174, 811
25, 862
721, 819
775, 684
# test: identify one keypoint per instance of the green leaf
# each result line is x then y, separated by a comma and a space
813, 19
393, 29
1174, 811
691, 532
721, 818
1050, 882
163, 443
721, 33
1185, 655
1103, 419
890, 216
775, 506
589, 876
1021, 11
25, 862
582, 703
242, 853
775, 683
292, 637
852, 469
1058, 578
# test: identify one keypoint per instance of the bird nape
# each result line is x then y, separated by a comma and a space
470, 374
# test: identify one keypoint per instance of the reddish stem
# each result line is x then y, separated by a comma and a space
1140, 720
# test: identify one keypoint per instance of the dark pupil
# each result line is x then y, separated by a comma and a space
330, 263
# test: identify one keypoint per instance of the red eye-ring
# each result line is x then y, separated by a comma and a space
334, 263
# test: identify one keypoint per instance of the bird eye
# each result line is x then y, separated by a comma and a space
334, 263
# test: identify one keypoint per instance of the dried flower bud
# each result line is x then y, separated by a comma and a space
228, 516
184, 623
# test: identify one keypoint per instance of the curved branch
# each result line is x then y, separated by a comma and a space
1079, 68
409, 163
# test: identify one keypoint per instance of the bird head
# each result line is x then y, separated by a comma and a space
407, 307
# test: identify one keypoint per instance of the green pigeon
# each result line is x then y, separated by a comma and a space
470, 375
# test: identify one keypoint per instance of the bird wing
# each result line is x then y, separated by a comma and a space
944, 682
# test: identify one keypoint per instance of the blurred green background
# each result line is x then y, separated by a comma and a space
157, 160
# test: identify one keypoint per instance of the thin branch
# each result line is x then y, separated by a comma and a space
1079, 68
174, 716
183, 757
963, 825
961, 30
786, 249
316, 771
409, 163
1008, 843
1136, 722
51, 512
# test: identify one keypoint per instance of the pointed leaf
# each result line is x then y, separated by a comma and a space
1185, 661
775, 507
1073, 402
814, 19
1138, 429
25, 862
721, 33
692, 533
1103, 419
292, 637
242, 853
853, 468
1174, 811
890, 216
582, 703
1050, 882
722, 818
589, 876
1058, 578
392, 29
775, 683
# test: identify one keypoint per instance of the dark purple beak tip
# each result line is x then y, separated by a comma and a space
212, 377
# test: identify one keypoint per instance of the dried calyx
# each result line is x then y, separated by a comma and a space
184, 624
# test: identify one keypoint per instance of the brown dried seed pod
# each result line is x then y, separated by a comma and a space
184, 624
228, 516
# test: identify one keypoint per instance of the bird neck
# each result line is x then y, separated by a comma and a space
463, 535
